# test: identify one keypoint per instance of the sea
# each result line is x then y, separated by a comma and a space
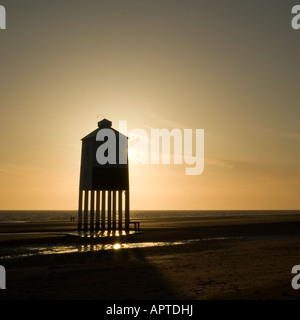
23, 216
27, 250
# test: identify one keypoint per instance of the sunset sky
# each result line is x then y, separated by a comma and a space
228, 67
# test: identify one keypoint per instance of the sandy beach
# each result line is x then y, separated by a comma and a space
215, 259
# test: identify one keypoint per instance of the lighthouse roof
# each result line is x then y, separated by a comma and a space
103, 124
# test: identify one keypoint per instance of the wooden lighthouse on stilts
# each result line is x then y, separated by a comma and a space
104, 181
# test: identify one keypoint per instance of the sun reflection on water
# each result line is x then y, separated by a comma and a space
33, 250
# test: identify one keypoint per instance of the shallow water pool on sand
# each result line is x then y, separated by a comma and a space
32, 250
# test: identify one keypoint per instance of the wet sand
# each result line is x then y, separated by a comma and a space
241, 258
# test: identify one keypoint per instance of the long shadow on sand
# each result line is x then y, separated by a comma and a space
106, 275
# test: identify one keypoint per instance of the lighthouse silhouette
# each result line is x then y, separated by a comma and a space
104, 188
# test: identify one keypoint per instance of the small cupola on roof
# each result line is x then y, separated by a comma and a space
104, 123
